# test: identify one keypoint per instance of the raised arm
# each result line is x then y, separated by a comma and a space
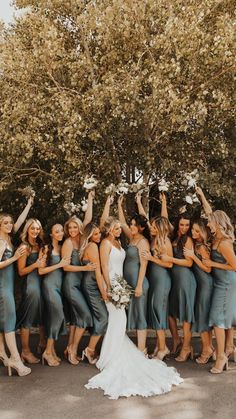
164, 211
89, 212
22, 217
122, 219
106, 211
206, 206
105, 249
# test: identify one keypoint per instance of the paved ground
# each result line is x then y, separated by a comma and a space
59, 393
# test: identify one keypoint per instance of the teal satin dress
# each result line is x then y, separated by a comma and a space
80, 315
158, 296
30, 311
203, 299
137, 311
96, 304
183, 291
223, 306
52, 295
7, 302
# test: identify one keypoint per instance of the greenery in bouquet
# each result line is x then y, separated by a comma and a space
120, 292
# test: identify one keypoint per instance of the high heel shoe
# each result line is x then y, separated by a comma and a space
162, 354
175, 352
205, 357
71, 357
40, 349
20, 368
4, 359
49, 358
186, 352
29, 358
231, 351
90, 357
223, 365
145, 352
154, 354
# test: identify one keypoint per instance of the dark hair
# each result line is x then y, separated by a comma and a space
181, 241
48, 240
142, 221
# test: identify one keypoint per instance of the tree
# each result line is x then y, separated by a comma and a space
114, 88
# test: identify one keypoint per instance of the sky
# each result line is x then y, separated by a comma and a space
6, 10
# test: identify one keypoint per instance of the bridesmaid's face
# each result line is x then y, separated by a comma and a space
96, 237
134, 228
212, 226
34, 230
116, 231
184, 226
196, 233
153, 230
57, 232
6, 225
73, 229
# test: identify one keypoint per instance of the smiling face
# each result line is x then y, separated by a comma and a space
154, 230
116, 230
73, 229
196, 232
33, 230
212, 226
184, 226
57, 232
96, 236
6, 225
134, 228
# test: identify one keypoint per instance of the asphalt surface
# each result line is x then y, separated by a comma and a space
59, 392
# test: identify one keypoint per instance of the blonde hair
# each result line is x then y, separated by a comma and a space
75, 220
222, 221
163, 226
24, 234
88, 232
109, 225
5, 215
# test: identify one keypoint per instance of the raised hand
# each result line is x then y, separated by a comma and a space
199, 191
138, 197
110, 199
30, 201
91, 194
162, 197
120, 200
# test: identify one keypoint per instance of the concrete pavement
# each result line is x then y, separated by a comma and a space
51, 393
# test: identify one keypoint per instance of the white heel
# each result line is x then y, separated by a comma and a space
9, 371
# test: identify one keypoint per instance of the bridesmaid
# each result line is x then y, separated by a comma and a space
30, 311
7, 302
135, 273
51, 289
13, 229
80, 316
182, 294
159, 282
93, 289
204, 289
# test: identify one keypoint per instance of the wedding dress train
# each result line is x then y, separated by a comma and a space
125, 371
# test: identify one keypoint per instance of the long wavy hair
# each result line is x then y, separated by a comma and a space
222, 221
5, 215
142, 222
24, 235
181, 241
87, 234
204, 233
75, 220
163, 227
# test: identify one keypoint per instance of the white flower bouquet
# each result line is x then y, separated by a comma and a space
122, 188
137, 187
84, 204
120, 292
71, 208
163, 185
28, 192
191, 199
90, 183
111, 189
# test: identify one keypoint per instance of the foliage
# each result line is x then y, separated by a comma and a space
115, 88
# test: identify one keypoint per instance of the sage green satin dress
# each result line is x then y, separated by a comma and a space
30, 311
7, 302
223, 306
137, 311
53, 304
183, 291
80, 315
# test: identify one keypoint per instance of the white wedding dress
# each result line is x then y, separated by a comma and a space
125, 371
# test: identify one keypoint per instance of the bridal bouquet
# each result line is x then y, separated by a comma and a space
28, 192
90, 183
120, 292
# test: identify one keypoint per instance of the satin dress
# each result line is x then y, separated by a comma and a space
7, 302
30, 311
223, 306
183, 291
80, 315
137, 312
52, 295
158, 296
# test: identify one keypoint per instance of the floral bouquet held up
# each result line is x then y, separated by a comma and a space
120, 292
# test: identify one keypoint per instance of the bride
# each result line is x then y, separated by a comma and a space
124, 369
